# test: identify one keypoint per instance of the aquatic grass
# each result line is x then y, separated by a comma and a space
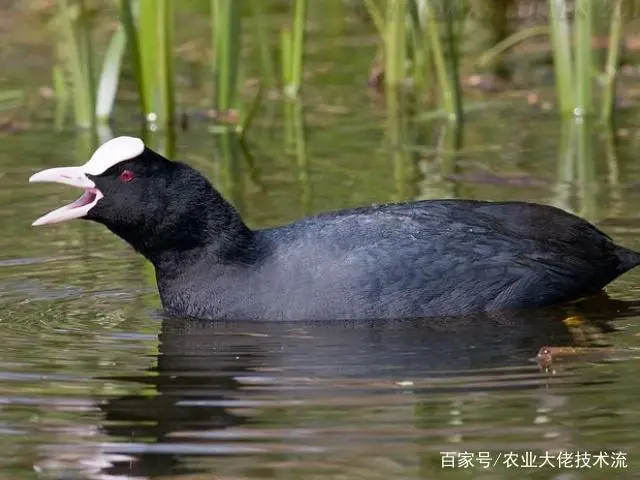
155, 38
395, 47
611, 66
376, 16
421, 41
510, 42
453, 90
412, 32
226, 37
148, 28
571, 47
128, 15
110, 75
292, 49
562, 55
74, 55
584, 68
418, 47
445, 65
262, 36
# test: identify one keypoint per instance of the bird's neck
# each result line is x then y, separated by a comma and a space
233, 244
202, 226
216, 234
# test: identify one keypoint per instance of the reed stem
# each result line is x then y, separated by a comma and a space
583, 26
561, 48
128, 18
74, 51
611, 66
395, 47
266, 57
452, 66
293, 50
110, 75
86, 57
155, 36
226, 45
446, 80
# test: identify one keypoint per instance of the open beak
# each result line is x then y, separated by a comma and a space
76, 177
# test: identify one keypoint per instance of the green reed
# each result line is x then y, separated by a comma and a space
389, 20
395, 43
128, 19
75, 63
611, 66
110, 75
419, 49
420, 39
148, 29
292, 47
412, 32
445, 60
584, 67
562, 55
155, 43
226, 36
262, 34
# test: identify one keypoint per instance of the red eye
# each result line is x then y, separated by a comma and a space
126, 176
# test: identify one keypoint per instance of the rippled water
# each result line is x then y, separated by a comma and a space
96, 383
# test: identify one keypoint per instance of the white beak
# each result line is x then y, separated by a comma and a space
76, 177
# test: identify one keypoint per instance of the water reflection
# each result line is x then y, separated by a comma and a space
298, 393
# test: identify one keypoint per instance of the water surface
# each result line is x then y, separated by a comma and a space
96, 383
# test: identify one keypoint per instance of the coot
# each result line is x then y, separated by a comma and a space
415, 259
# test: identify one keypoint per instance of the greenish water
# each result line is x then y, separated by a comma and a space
96, 384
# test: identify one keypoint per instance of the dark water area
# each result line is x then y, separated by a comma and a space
96, 383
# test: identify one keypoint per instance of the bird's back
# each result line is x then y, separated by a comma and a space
445, 257
427, 258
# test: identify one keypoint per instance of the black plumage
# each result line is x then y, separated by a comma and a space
416, 259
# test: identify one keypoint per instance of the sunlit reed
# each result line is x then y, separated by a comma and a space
74, 55
292, 48
584, 68
225, 22
421, 41
562, 55
611, 67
